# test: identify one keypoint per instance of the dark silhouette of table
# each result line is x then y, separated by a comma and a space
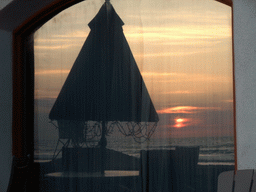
91, 182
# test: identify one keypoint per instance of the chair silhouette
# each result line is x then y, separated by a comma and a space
185, 161
157, 171
169, 170
237, 181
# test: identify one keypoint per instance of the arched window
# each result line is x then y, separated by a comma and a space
183, 52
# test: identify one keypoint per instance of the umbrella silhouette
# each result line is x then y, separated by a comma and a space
105, 85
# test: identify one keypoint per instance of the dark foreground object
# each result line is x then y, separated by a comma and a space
237, 181
205, 178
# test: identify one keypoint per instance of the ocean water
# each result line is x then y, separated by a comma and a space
213, 150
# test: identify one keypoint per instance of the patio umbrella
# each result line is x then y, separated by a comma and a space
105, 87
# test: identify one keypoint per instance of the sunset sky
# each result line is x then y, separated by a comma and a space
182, 48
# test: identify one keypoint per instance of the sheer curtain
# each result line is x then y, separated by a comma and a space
134, 95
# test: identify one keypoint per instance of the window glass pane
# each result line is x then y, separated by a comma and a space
133, 89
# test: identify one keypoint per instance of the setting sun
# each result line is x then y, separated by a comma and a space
179, 120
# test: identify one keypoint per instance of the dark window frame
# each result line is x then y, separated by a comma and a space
23, 77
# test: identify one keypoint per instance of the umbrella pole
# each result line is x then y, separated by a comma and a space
103, 144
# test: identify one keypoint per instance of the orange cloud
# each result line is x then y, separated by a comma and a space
161, 74
168, 54
52, 72
49, 47
74, 34
228, 101
185, 109
183, 92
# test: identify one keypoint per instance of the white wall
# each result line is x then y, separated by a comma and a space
245, 78
5, 108
4, 3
